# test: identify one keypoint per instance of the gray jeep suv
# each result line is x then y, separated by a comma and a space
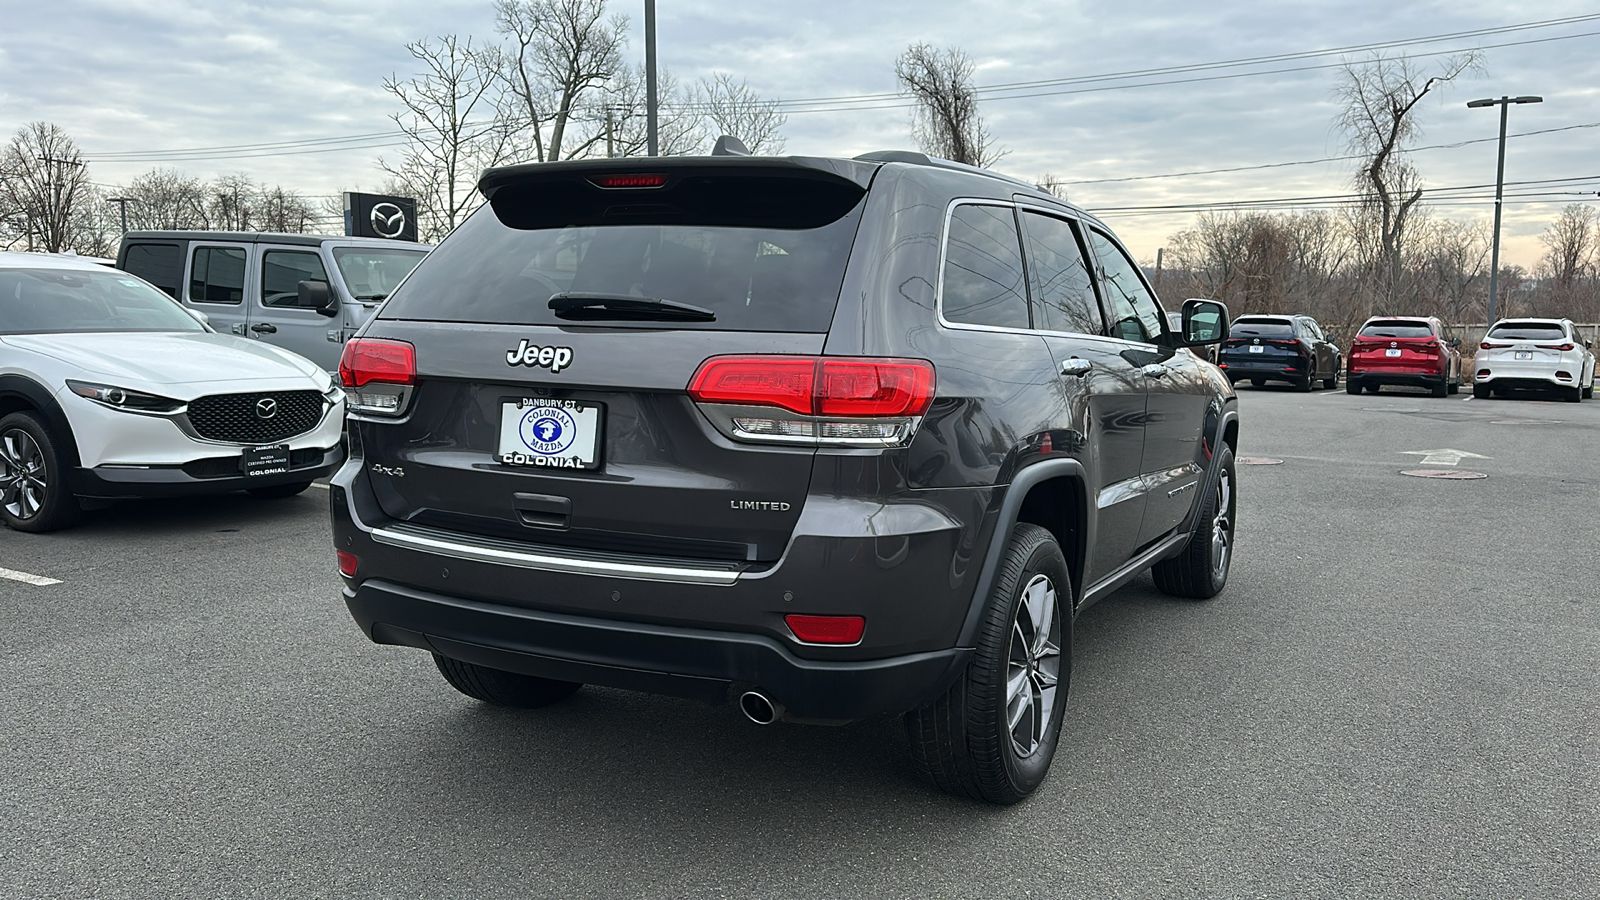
827, 438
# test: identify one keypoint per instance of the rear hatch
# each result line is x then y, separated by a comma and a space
1262, 343
1527, 345
1402, 345
557, 331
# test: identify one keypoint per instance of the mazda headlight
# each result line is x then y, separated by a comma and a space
124, 399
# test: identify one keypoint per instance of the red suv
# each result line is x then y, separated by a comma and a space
1409, 350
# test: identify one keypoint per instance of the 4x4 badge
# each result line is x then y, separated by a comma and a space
553, 358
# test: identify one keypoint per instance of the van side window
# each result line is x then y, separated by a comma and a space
281, 274
159, 264
217, 275
1135, 314
1063, 292
983, 269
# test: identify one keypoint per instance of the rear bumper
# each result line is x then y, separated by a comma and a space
1287, 369
156, 482
1528, 374
1411, 374
714, 666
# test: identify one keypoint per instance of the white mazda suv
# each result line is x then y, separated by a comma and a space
1534, 353
109, 390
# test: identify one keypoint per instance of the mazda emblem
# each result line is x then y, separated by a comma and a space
266, 408
388, 220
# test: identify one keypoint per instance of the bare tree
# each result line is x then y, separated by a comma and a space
733, 107
680, 127
1379, 99
284, 211
231, 202
451, 132
560, 58
945, 120
1567, 270
45, 194
1452, 268
1052, 184
164, 200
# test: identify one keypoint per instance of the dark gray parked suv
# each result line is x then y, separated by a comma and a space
828, 438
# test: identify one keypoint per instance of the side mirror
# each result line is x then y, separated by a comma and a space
1455, 342
316, 295
1204, 322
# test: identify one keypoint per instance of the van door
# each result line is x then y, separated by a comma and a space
217, 275
276, 316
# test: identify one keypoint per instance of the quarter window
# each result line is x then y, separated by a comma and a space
281, 274
159, 264
983, 269
1063, 291
1135, 314
217, 275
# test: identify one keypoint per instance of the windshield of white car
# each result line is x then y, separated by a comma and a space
1528, 331
56, 301
1396, 329
372, 273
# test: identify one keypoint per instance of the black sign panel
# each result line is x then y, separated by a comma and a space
376, 215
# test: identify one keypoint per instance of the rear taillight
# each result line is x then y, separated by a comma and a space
1488, 346
378, 375
839, 401
827, 629
1562, 347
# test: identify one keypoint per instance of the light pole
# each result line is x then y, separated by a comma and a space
1499, 187
651, 141
122, 203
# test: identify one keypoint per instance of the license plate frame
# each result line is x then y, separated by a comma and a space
566, 436
1522, 354
1257, 348
269, 459
1393, 351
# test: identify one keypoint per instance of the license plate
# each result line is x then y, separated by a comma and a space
259, 461
1392, 351
1524, 354
1257, 349
561, 434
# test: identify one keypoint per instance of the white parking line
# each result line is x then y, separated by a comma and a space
318, 484
28, 578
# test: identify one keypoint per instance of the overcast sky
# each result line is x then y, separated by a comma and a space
127, 76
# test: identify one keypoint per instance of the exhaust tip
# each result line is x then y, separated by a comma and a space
758, 708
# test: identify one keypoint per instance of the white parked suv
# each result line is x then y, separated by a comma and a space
1534, 353
111, 390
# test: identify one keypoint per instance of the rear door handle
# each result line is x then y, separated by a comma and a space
1076, 367
264, 328
1155, 370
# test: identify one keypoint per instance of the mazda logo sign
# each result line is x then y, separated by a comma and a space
266, 408
388, 220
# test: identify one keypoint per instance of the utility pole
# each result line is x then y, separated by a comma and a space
122, 202
54, 232
611, 144
1499, 188
650, 76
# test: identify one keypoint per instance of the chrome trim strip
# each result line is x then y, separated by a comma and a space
545, 562
1112, 494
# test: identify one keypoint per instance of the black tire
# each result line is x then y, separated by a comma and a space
279, 491
1306, 385
1442, 388
1258, 382
503, 688
1352, 386
1455, 387
1372, 388
1572, 394
1200, 571
33, 477
1480, 392
1331, 383
964, 743
1588, 392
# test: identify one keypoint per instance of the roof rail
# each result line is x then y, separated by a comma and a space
923, 159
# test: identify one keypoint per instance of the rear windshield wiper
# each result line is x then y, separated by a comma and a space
575, 305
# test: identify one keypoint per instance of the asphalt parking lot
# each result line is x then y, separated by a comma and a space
1395, 697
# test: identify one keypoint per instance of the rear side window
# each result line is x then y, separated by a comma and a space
1528, 331
1262, 328
983, 269
782, 272
159, 264
1063, 291
1396, 329
217, 275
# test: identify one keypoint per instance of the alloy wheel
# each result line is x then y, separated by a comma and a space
1222, 526
23, 484
1033, 667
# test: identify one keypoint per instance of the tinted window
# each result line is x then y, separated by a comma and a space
754, 279
281, 274
217, 275
983, 269
1135, 314
34, 301
1396, 329
1528, 331
1063, 292
159, 264
373, 274
1262, 328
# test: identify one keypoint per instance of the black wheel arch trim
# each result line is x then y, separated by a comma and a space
1005, 521
44, 403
